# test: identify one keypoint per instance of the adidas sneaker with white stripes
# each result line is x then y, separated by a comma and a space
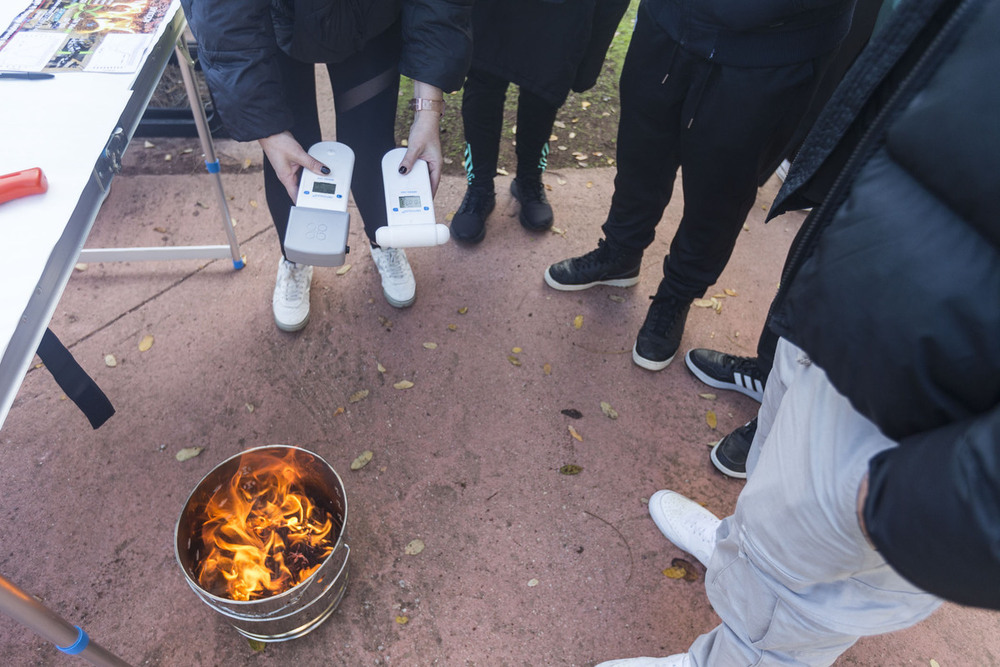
726, 371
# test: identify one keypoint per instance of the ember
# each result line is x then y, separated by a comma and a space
262, 532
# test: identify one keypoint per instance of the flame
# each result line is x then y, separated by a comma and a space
262, 532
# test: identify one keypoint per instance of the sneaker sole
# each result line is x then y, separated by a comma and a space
717, 384
649, 364
619, 282
729, 472
291, 328
399, 304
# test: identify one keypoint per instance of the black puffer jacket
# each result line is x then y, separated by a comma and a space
893, 284
545, 46
237, 42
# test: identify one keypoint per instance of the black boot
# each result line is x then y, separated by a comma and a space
660, 335
536, 214
606, 265
469, 222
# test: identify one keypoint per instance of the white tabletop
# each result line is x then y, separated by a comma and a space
61, 125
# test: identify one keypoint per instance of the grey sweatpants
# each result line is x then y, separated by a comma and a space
792, 576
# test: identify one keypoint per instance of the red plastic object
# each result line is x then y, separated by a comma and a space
22, 183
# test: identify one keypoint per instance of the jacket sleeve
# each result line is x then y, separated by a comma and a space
933, 510
607, 15
437, 42
236, 49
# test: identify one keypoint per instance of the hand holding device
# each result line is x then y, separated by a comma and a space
409, 206
319, 221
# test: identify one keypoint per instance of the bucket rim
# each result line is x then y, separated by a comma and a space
298, 588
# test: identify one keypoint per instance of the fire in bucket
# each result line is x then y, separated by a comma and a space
257, 539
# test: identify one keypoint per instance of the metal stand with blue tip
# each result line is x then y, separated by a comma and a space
409, 206
68, 638
319, 221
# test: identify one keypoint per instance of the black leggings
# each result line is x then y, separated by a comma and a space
482, 114
365, 92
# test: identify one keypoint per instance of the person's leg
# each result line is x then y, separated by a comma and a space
803, 589
653, 87
535, 117
365, 93
731, 116
482, 118
290, 299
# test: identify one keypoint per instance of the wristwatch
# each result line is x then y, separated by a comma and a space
421, 104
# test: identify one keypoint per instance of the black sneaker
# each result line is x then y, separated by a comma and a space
725, 371
604, 266
729, 455
660, 335
536, 214
469, 222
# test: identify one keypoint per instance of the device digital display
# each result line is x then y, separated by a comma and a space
409, 201
322, 188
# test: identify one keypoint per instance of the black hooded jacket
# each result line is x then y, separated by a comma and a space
893, 284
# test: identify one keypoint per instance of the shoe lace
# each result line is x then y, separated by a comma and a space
474, 201
394, 262
531, 190
663, 312
294, 280
747, 366
597, 257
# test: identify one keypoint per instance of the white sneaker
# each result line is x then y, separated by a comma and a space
677, 660
685, 523
291, 295
398, 284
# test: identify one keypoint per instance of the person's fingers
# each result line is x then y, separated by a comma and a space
409, 159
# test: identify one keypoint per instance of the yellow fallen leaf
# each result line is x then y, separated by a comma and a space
148, 144
414, 547
247, 162
80, 266
502, 171
711, 419
570, 469
561, 181
253, 203
674, 573
934, 663
703, 303
463, 310
516, 350
110, 361
380, 367
431, 346
339, 411
719, 296
584, 104
449, 216
168, 157
578, 321
250, 407
362, 460
403, 384
344, 269
590, 184
730, 292
145, 343
746, 227
532, 582
514, 360
402, 620
708, 397
359, 395
608, 411
576, 436
187, 150
560, 124
452, 327
547, 369
188, 453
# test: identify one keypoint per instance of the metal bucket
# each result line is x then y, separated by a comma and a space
303, 607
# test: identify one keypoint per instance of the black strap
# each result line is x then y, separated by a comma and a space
72, 379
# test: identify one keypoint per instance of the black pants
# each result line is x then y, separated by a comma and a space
365, 93
720, 125
482, 114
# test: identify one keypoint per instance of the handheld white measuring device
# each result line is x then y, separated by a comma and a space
319, 221
408, 206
